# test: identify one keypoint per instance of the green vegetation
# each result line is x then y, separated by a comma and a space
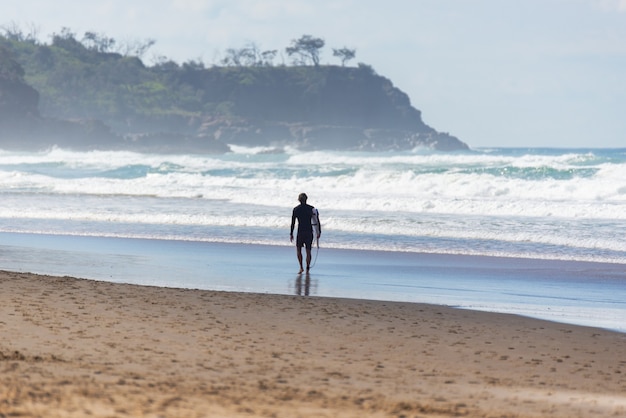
98, 78
9, 68
87, 79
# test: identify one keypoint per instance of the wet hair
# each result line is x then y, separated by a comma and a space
302, 197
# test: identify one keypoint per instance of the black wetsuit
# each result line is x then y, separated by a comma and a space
303, 213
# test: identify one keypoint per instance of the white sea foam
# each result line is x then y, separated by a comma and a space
571, 202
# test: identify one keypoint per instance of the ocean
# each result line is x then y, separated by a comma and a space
537, 203
561, 205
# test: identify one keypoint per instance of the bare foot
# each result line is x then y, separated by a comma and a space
301, 270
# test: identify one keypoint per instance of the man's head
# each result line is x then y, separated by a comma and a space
302, 198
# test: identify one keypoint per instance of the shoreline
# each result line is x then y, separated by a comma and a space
74, 347
583, 293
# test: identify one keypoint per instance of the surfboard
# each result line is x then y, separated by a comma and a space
315, 222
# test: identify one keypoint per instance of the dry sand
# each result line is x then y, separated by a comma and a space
75, 348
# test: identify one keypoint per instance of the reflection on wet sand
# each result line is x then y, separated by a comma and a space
303, 285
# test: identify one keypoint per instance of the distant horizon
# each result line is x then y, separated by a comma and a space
547, 147
538, 73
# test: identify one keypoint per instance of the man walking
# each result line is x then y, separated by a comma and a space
303, 213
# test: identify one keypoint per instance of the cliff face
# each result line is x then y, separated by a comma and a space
308, 108
18, 101
23, 128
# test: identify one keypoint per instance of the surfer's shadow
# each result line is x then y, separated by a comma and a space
305, 285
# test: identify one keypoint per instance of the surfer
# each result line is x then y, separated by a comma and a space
308, 218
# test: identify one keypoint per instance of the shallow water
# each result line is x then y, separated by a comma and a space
583, 293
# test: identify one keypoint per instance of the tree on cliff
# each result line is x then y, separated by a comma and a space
249, 56
14, 32
307, 48
345, 54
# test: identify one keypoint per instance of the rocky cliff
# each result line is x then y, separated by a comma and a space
342, 108
107, 101
23, 128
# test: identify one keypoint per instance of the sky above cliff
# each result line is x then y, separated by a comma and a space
512, 73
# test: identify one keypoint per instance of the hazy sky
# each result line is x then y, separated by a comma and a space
511, 73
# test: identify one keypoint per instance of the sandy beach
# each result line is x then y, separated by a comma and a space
75, 348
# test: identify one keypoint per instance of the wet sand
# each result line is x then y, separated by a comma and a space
575, 292
75, 348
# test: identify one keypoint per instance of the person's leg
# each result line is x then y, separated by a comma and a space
299, 254
308, 244
308, 258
